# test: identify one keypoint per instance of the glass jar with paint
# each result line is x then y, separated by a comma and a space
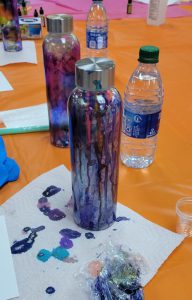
11, 34
95, 111
61, 50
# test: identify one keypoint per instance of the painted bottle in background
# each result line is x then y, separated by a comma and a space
97, 30
61, 50
11, 34
157, 12
95, 112
142, 111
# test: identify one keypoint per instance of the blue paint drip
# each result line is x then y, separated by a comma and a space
50, 290
89, 235
119, 219
70, 234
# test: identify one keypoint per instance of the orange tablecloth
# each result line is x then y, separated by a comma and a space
151, 192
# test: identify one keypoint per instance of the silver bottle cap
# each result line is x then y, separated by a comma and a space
95, 74
59, 23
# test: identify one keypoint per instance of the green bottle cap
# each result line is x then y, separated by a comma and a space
149, 55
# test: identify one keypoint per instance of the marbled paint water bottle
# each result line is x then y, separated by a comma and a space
61, 50
11, 34
95, 111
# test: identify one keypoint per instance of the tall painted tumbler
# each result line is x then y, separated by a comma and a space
61, 50
11, 34
95, 110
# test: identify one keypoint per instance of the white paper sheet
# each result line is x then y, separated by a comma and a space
36, 115
142, 236
170, 2
27, 55
4, 84
8, 283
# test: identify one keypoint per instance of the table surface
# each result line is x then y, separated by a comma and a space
152, 192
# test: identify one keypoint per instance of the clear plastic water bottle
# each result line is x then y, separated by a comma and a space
142, 109
97, 30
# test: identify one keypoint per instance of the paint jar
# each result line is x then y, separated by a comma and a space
184, 216
11, 34
61, 50
95, 111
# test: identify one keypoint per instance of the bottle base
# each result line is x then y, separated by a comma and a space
137, 162
92, 228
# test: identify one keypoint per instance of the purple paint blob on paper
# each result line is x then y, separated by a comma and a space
66, 243
119, 219
45, 206
51, 190
50, 290
70, 234
89, 235
56, 214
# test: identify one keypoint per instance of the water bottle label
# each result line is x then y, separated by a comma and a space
140, 126
97, 39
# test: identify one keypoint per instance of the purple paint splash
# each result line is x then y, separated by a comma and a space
51, 190
119, 219
89, 235
70, 234
66, 243
50, 290
45, 206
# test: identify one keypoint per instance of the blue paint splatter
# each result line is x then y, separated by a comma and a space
70, 234
119, 219
51, 190
44, 255
50, 290
58, 253
66, 243
89, 235
27, 243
